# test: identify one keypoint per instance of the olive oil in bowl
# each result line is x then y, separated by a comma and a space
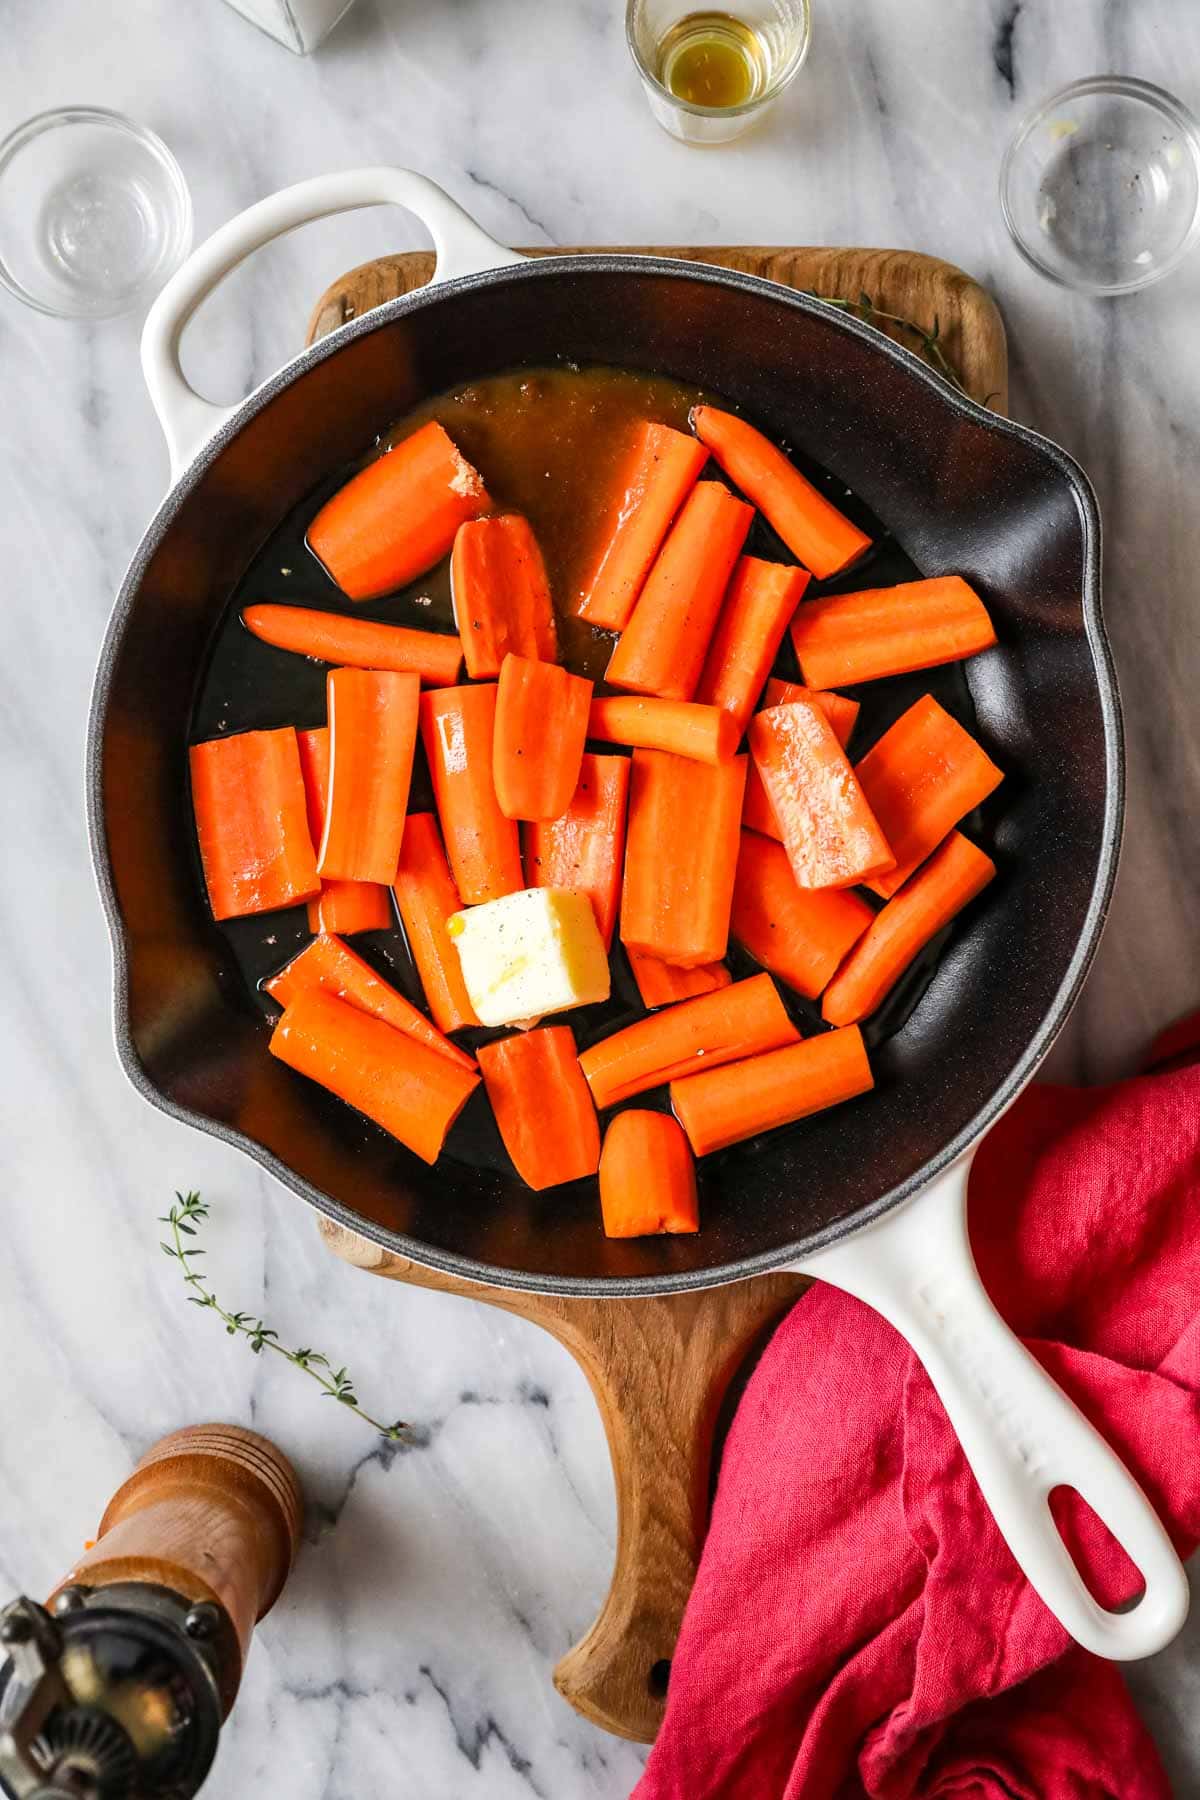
712, 59
707, 74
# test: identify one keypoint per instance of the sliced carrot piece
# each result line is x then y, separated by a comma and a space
660, 474
755, 614
758, 813
457, 729
952, 877
412, 1091
541, 728
663, 647
647, 1177
715, 1028
426, 897
828, 830
681, 856
704, 733
723, 1106
398, 516
502, 603
924, 775
661, 984
372, 737
328, 963
845, 638
357, 643
341, 907
810, 525
798, 934
542, 1106
584, 850
252, 822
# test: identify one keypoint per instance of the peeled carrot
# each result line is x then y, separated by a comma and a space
661, 472
647, 1177
715, 1028
412, 1091
398, 516
681, 856
661, 984
797, 934
704, 733
541, 728
723, 1106
372, 737
542, 1106
889, 631
502, 603
923, 776
810, 525
328, 963
357, 643
952, 877
457, 729
252, 822
426, 896
828, 830
341, 907
663, 647
757, 813
756, 610
584, 850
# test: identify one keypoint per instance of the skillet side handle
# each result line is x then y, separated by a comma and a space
188, 420
1020, 1433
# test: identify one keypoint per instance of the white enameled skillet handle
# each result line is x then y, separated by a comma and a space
462, 247
1021, 1435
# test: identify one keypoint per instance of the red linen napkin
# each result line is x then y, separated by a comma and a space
858, 1626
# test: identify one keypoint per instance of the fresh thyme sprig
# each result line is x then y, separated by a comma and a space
928, 341
189, 1210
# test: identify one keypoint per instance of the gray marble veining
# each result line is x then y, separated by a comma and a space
441, 1580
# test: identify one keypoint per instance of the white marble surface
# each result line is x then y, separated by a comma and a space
440, 1582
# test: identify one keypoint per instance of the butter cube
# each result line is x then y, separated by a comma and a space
528, 954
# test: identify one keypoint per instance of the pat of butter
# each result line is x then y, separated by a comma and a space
531, 953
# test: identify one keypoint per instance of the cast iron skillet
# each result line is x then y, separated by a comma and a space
962, 491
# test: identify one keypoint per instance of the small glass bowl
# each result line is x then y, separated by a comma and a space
94, 213
780, 29
1100, 186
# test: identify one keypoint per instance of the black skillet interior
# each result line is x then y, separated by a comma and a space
957, 492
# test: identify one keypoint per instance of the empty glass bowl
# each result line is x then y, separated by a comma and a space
94, 213
1101, 185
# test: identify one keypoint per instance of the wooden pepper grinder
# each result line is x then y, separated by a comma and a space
117, 1688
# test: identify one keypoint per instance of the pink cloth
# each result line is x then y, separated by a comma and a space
858, 1626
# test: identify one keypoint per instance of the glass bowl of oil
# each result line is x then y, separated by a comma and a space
709, 75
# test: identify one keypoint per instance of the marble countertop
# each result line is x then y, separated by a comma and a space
442, 1579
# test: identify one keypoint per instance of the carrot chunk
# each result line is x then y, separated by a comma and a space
412, 1091
341, 907
647, 1177
813, 529
584, 850
328, 963
953, 876
681, 857
457, 729
923, 776
663, 647
705, 733
828, 830
661, 472
426, 897
502, 603
252, 822
541, 728
755, 614
757, 813
357, 643
715, 1028
845, 638
372, 737
723, 1106
798, 934
661, 984
542, 1106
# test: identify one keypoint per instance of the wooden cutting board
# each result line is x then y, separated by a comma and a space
661, 1368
